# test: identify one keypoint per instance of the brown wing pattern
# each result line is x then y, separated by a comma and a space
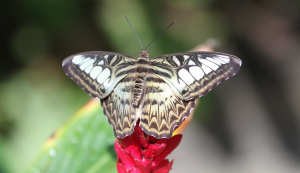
122, 105
163, 110
119, 111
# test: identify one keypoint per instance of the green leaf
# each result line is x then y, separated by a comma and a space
84, 144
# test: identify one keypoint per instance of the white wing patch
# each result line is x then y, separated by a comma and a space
78, 59
85, 63
95, 72
181, 84
101, 62
185, 76
177, 62
103, 76
209, 64
107, 83
191, 62
206, 69
223, 58
90, 66
186, 57
216, 61
196, 72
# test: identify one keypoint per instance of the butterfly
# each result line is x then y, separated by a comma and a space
157, 93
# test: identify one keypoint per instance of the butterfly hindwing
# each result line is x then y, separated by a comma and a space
162, 109
95, 71
196, 73
119, 111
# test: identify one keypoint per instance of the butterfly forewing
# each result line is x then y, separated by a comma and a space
95, 72
196, 73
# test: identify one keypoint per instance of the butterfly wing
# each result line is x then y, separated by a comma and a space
180, 80
196, 73
163, 109
100, 74
119, 110
95, 71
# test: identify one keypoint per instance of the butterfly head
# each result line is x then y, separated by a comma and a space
144, 54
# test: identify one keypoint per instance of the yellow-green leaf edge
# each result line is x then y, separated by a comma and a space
82, 145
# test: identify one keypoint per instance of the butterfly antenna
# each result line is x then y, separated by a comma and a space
135, 32
153, 40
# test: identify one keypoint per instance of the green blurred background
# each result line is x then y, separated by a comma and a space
249, 124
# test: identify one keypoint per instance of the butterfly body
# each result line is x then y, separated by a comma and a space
159, 93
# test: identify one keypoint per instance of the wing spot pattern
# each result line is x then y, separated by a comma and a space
113, 59
90, 66
181, 85
215, 60
196, 72
86, 63
103, 76
191, 62
186, 57
209, 64
101, 62
77, 59
107, 83
185, 76
223, 58
175, 59
83, 61
206, 69
95, 72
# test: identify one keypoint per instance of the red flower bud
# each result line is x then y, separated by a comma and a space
140, 153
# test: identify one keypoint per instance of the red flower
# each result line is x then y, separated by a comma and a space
140, 153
